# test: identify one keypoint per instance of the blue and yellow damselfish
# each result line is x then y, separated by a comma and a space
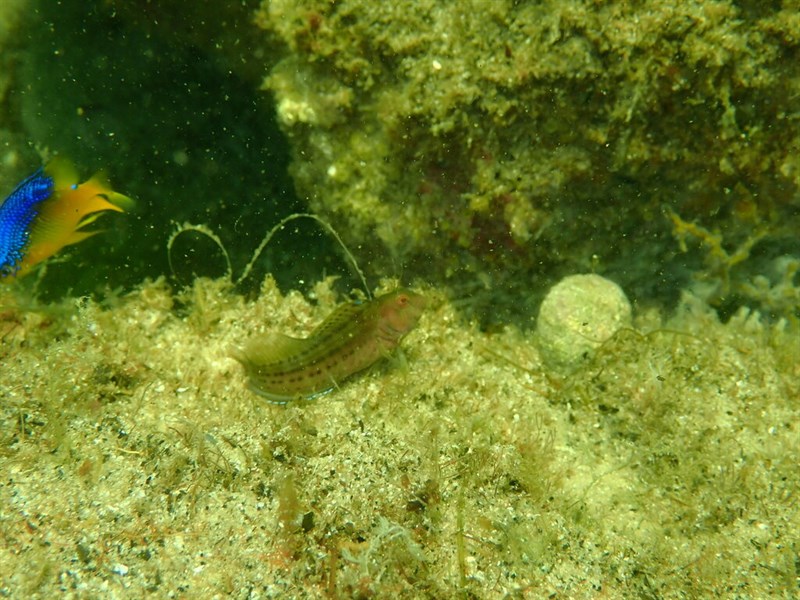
48, 211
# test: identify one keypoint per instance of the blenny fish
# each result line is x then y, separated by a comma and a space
48, 211
354, 336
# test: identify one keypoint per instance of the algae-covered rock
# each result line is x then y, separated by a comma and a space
507, 138
577, 315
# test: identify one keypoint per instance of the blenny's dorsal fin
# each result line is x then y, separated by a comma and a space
334, 322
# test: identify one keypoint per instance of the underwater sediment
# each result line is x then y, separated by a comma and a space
481, 152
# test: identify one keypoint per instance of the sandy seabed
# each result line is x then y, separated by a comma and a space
134, 461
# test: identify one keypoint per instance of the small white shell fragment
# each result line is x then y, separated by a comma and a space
578, 314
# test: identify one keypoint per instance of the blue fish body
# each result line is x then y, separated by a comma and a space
17, 213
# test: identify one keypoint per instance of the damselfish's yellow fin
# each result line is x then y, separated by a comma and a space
71, 207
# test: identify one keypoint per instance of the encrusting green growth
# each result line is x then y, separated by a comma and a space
577, 315
507, 138
137, 463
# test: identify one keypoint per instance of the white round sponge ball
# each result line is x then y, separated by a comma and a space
578, 314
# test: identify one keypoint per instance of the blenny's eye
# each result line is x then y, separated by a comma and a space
402, 299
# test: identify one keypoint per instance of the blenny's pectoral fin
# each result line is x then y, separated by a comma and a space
398, 359
334, 385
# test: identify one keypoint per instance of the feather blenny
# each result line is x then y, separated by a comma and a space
354, 336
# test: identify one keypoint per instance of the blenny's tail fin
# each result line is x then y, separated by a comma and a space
264, 351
